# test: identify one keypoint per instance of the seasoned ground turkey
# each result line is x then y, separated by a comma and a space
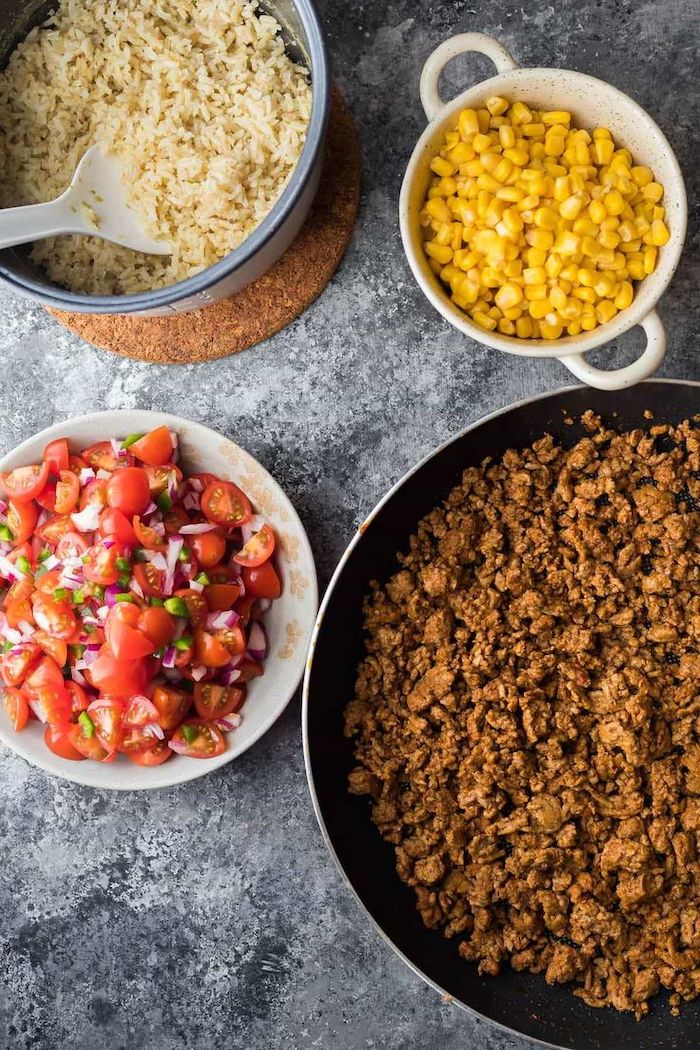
527, 716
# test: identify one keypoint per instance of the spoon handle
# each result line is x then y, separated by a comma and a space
32, 222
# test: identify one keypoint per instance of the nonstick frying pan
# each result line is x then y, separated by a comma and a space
519, 1002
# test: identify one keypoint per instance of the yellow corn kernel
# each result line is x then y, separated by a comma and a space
636, 269
555, 116
658, 212
535, 292
441, 166
561, 188
625, 295
658, 234
510, 193
601, 133
569, 272
534, 275
506, 327
586, 277
484, 118
506, 136
641, 175
554, 145
468, 123
571, 207
513, 220
444, 234
531, 131
523, 327
557, 297
437, 209
550, 331
545, 219
488, 183
613, 202
520, 113
496, 105
435, 266
653, 192
508, 296
605, 311
483, 320
538, 308
540, 239
572, 310
489, 242
456, 242
573, 328
536, 257
553, 266
605, 258
618, 261
517, 156
602, 151
514, 313
481, 143
585, 227
503, 169
631, 246
608, 239
490, 160
440, 252
597, 211
650, 256
567, 243
461, 153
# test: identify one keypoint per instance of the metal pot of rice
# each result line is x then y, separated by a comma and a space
217, 111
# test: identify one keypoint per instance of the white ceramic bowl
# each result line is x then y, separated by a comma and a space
593, 103
289, 622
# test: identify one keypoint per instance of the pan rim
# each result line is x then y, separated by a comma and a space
339, 569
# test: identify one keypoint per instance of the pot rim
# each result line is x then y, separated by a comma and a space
197, 285
568, 345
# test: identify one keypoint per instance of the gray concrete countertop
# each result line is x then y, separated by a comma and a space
210, 915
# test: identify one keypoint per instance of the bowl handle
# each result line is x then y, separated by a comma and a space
620, 378
458, 45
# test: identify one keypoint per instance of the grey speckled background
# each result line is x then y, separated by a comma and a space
210, 915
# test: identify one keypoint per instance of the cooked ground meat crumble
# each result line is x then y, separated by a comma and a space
527, 716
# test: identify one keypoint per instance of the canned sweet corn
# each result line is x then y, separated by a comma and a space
537, 228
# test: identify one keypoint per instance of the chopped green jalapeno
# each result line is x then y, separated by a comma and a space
88, 726
190, 733
6, 534
60, 594
185, 642
164, 502
176, 606
131, 440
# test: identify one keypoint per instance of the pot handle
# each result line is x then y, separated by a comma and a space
448, 49
620, 378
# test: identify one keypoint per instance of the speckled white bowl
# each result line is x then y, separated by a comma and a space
593, 103
289, 622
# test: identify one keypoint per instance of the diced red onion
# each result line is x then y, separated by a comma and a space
119, 452
150, 509
155, 730
196, 484
169, 657
13, 635
86, 474
103, 613
198, 587
102, 474
264, 604
198, 673
5, 549
26, 628
220, 621
180, 747
172, 485
87, 519
38, 709
229, 675
70, 582
136, 587
9, 570
111, 593
191, 501
3, 506
229, 722
250, 528
77, 676
198, 529
42, 519
51, 562
175, 545
257, 641
108, 542
156, 559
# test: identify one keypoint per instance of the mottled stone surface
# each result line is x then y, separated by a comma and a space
210, 915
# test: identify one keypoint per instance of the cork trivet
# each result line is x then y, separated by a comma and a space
271, 301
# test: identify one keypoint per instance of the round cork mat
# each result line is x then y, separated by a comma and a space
270, 302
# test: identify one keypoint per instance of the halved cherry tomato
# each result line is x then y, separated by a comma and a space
58, 740
154, 448
20, 589
48, 581
249, 669
216, 701
209, 651
232, 639
204, 478
223, 573
158, 625
246, 609
56, 648
17, 708
115, 524
24, 483
100, 564
137, 738
67, 492
153, 756
87, 746
196, 605
71, 545
94, 492
118, 677
140, 711
76, 463
184, 656
18, 612
55, 617
149, 579
53, 530
47, 673
106, 714
262, 581
47, 497
128, 490
159, 477
100, 456
57, 456
175, 518
258, 548
123, 635
47, 694
21, 520
198, 739
209, 548
18, 662
172, 704
80, 701
222, 596
225, 504
147, 537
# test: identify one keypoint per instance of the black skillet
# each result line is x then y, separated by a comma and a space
522, 1003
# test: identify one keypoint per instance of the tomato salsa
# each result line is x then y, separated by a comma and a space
132, 598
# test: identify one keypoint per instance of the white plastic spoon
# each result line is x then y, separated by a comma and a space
93, 204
